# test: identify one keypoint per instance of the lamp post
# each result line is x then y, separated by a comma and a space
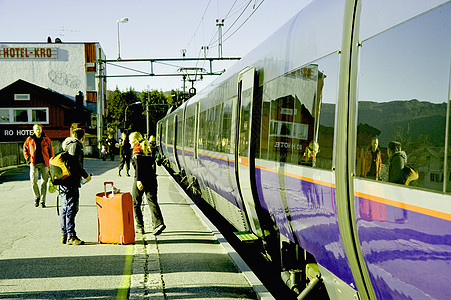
123, 20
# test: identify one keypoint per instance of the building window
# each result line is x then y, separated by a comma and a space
24, 115
20, 116
91, 82
39, 115
4, 115
22, 97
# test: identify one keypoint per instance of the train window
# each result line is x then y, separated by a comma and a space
245, 113
212, 123
171, 131
189, 132
217, 128
179, 132
226, 130
203, 130
404, 77
298, 115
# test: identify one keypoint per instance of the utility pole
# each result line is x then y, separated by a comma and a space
147, 113
220, 23
205, 48
100, 103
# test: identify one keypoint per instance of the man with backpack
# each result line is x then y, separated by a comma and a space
37, 150
69, 187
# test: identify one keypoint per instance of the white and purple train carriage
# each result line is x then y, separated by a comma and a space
336, 75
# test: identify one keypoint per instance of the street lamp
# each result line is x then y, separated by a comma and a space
123, 20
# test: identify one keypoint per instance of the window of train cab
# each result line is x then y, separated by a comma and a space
209, 122
403, 96
298, 113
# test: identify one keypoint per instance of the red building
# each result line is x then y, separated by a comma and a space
23, 104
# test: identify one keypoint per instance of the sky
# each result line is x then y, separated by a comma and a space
156, 29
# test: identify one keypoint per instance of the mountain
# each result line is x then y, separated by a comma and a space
406, 121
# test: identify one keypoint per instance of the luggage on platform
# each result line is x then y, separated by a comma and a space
115, 217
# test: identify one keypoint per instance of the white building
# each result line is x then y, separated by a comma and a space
66, 68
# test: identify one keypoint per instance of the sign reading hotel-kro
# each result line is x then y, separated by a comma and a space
28, 53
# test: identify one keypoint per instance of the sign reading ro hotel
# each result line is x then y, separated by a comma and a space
28, 53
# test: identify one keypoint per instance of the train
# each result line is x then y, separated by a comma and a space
279, 145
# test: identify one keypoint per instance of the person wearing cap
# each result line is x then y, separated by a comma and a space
37, 151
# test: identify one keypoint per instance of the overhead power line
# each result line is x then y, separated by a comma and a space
200, 22
243, 22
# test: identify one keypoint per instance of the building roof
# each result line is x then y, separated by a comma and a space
50, 95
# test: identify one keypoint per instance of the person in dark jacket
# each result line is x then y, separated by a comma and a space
69, 188
145, 182
110, 146
124, 153
37, 151
397, 161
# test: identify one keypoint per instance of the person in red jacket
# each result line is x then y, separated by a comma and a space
37, 150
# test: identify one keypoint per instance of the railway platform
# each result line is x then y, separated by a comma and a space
190, 259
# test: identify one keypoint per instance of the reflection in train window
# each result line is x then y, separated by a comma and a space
226, 127
179, 133
298, 114
171, 131
189, 132
403, 97
202, 130
244, 122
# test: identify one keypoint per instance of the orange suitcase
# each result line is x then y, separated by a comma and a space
115, 217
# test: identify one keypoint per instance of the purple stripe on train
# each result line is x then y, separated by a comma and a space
403, 251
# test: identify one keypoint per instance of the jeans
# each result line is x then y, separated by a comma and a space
125, 161
151, 195
70, 197
39, 191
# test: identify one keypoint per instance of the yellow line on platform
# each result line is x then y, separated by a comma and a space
124, 286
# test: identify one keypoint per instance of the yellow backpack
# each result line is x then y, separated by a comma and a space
59, 167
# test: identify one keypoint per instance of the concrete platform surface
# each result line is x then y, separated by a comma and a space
189, 260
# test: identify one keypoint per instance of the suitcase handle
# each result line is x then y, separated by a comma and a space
112, 188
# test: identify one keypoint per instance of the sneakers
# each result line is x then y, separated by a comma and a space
36, 202
159, 229
74, 240
43, 205
64, 239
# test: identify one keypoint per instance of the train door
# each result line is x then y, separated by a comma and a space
159, 134
180, 139
244, 158
177, 141
196, 130
394, 218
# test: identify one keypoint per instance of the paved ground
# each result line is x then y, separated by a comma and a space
187, 261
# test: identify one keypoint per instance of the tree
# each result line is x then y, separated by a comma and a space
158, 104
117, 103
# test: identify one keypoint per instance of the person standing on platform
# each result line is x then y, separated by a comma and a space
69, 188
397, 161
110, 145
124, 154
372, 161
37, 151
145, 182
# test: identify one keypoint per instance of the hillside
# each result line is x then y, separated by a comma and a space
402, 120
